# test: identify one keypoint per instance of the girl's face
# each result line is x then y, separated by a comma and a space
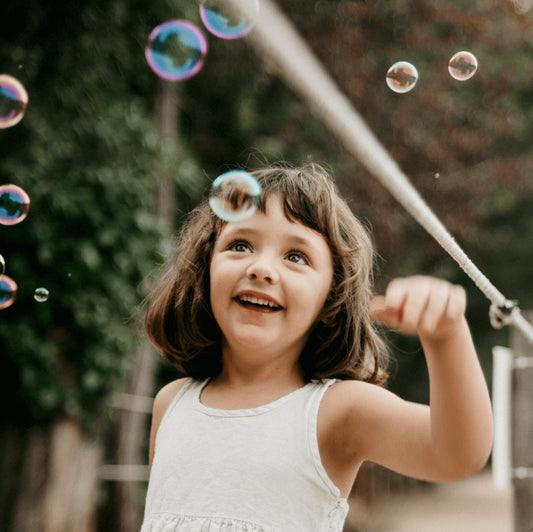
270, 278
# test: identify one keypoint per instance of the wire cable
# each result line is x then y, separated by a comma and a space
276, 37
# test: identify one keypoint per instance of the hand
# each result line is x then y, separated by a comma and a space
420, 305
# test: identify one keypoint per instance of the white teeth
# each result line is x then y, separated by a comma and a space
258, 301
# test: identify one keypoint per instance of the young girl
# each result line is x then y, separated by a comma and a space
271, 319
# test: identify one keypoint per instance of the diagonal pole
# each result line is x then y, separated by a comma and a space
275, 36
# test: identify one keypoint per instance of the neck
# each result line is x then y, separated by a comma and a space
235, 388
254, 368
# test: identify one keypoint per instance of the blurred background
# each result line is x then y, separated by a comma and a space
113, 157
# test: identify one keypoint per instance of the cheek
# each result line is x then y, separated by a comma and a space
324, 294
221, 282
315, 299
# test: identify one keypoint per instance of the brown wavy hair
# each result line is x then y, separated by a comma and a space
343, 344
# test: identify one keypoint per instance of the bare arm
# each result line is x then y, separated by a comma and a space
452, 437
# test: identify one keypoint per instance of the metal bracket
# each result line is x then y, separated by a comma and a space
501, 315
522, 362
522, 473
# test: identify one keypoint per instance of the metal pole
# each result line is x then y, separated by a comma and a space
522, 432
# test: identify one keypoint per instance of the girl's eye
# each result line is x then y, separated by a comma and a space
297, 257
239, 246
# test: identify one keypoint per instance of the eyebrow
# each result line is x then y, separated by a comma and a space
290, 237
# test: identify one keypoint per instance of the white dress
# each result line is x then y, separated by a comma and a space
248, 470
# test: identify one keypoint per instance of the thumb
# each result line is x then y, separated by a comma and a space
380, 312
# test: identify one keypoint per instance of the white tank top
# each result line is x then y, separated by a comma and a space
248, 470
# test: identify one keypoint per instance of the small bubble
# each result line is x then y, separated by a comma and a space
221, 21
402, 77
436, 175
462, 66
176, 50
2, 265
235, 195
14, 204
41, 295
8, 291
13, 101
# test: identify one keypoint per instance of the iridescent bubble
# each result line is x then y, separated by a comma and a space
13, 101
235, 195
462, 66
219, 18
8, 291
41, 295
402, 77
14, 204
176, 50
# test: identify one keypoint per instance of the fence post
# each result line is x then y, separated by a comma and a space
522, 423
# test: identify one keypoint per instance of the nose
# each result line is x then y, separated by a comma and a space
263, 269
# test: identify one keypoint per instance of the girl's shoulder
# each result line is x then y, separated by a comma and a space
161, 403
348, 403
350, 390
342, 428
165, 395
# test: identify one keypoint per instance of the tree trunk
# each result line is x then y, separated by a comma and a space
49, 479
132, 433
132, 436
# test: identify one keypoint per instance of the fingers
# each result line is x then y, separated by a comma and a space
420, 305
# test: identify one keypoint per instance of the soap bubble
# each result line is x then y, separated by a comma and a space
402, 77
8, 291
176, 50
41, 295
221, 21
14, 204
462, 66
13, 101
235, 195
2, 265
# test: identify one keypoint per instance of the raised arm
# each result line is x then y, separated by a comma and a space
451, 438
460, 411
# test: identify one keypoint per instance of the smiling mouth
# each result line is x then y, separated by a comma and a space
258, 304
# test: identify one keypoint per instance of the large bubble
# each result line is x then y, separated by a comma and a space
14, 204
176, 50
13, 101
235, 195
462, 66
219, 18
402, 77
8, 291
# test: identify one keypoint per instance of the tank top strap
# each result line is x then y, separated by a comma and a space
187, 392
317, 394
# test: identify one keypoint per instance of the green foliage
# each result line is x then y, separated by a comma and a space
88, 149
87, 153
